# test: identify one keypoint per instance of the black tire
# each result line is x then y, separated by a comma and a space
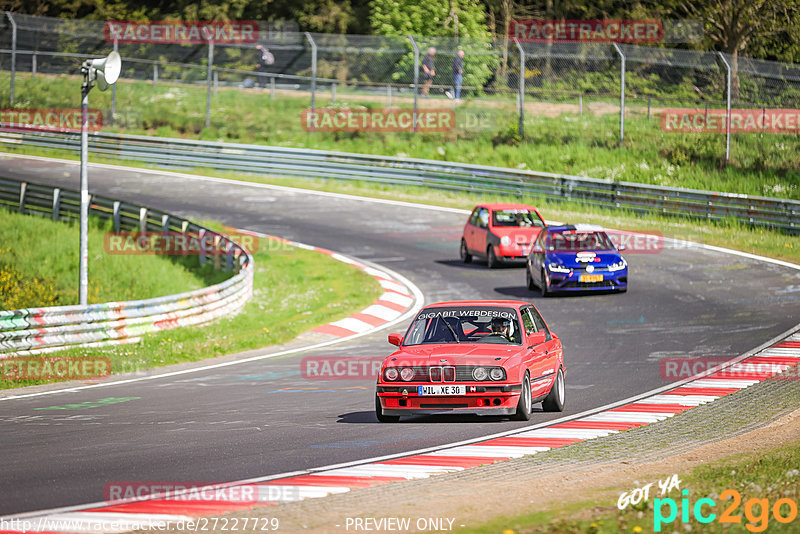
525, 400
466, 257
379, 413
491, 258
529, 279
554, 402
544, 286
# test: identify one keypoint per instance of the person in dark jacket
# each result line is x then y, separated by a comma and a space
427, 71
458, 75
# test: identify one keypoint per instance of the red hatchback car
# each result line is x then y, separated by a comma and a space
500, 232
477, 357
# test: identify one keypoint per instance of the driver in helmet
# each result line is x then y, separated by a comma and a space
501, 326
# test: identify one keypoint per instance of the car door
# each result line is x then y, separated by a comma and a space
481, 231
470, 228
537, 357
552, 351
537, 255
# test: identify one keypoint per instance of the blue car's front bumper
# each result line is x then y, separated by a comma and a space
576, 281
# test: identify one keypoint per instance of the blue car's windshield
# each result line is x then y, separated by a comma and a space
575, 241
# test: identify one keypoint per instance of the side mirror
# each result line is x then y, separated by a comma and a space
396, 339
537, 338
621, 247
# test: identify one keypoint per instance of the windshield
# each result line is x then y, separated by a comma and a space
572, 241
518, 218
465, 325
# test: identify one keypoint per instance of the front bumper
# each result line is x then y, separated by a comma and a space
612, 281
485, 400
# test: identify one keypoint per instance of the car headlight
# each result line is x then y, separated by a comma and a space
621, 264
407, 373
479, 374
505, 240
556, 268
497, 373
391, 374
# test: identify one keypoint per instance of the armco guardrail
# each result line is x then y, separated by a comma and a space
36, 330
266, 160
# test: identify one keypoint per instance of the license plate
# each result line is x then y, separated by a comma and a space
591, 278
441, 390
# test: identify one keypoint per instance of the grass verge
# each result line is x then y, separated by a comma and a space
294, 291
764, 486
486, 133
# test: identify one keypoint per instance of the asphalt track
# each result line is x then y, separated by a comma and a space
263, 418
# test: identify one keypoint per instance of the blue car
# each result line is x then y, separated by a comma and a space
576, 258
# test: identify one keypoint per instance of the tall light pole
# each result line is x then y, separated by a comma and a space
103, 72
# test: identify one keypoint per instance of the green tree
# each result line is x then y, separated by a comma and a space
444, 24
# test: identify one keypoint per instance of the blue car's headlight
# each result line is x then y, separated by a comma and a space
556, 268
621, 264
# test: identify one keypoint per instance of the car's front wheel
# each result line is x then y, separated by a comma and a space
379, 413
544, 285
466, 257
554, 402
524, 404
529, 279
491, 258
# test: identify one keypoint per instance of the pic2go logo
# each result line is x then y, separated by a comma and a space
756, 511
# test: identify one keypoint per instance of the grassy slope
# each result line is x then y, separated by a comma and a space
294, 291
763, 164
40, 249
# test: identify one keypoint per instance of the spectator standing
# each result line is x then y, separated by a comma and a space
264, 59
458, 74
427, 71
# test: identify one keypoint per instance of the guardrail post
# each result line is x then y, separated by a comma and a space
201, 235
23, 191
115, 215
229, 256
621, 95
313, 74
208, 81
521, 88
217, 260
56, 203
155, 75
33, 65
114, 89
143, 220
165, 223
416, 78
728, 112
13, 53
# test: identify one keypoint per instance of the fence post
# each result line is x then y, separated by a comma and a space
33, 65
272, 88
333, 92
728, 112
56, 203
216, 81
388, 96
114, 88
13, 53
648, 108
580, 104
155, 75
209, 74
621, 95
313, 74
416, 77
521, 88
